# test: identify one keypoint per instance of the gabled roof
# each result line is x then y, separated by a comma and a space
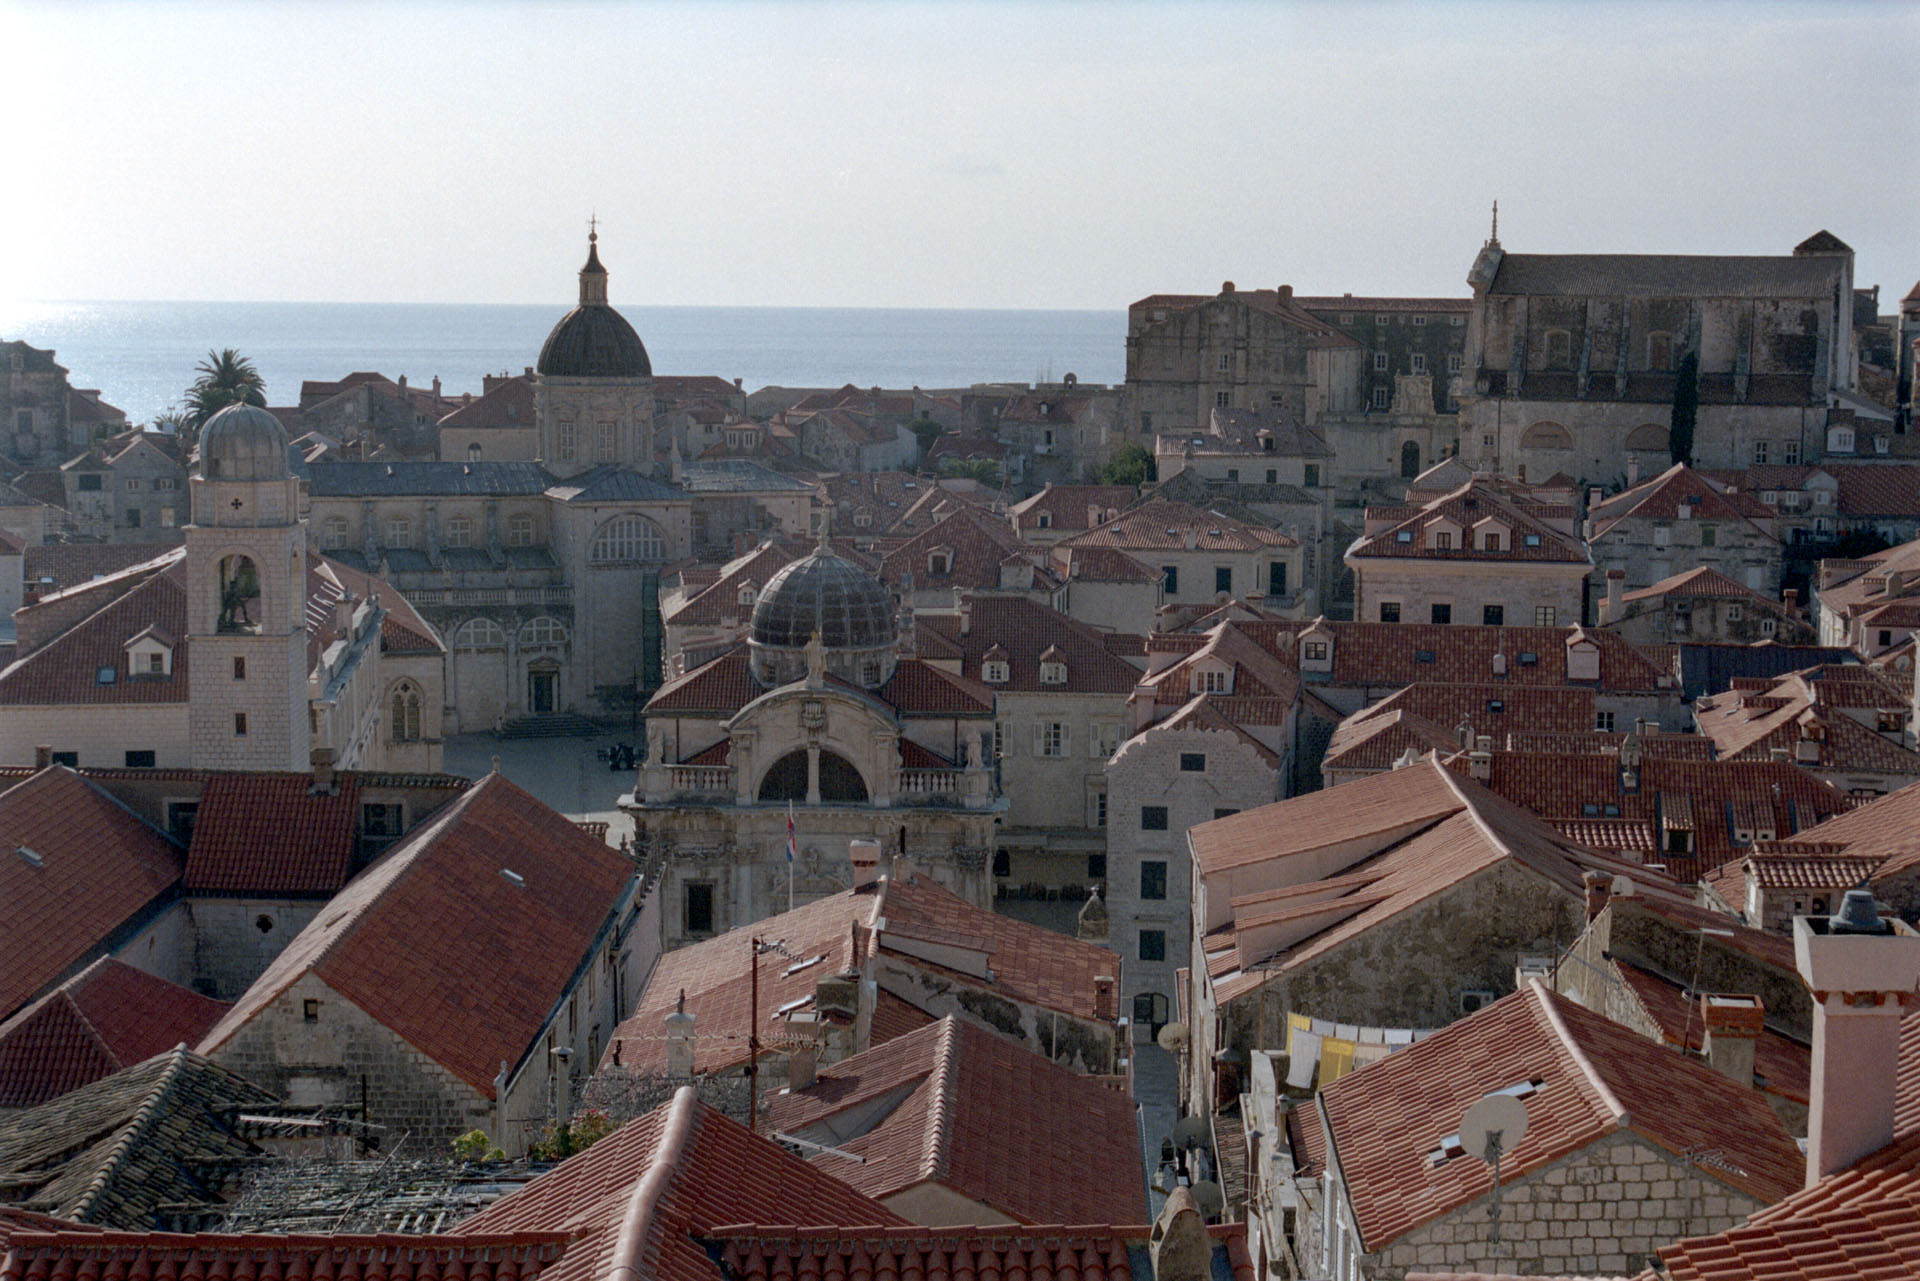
1028, 964
1704, 580
1663, 498
1781, 1066
1158, 526
436, 943
950, 1098
1590, 1077
978, 540
1885, 830
1385, 809
1367, 741
1264, 686
1665, 276
66, 669
638, 1202
1071, 508
719, 599
108, 1017
508, 405
1272, 302
1101, 565
1023, 630
272, 835
76, 868
113, 1152
1529, 538
612, 483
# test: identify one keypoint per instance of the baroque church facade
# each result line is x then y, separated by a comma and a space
542, 574
821, 729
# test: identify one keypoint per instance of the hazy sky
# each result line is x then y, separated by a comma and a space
942, 155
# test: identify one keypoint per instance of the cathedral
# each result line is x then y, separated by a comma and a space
764, 764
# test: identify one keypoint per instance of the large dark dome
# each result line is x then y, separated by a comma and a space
594, 341
825, 594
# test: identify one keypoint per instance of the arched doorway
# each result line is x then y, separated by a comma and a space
1410, 460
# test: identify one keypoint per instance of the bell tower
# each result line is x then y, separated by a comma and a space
246, 567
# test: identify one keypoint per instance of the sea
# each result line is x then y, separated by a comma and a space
141, 355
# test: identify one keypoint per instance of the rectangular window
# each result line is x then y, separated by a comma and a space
1381, 397
1213, 682
1442, 540
1453, 363
69, 759
1603, 722
310, 1010
1419, 363
1760, 451
1493, 615
239, 668
1096, 867
1273, 476
1708, 535
139, 760
1442, 614
1221, 400
1381, 320
1193, 762
1419, 320
1153, 945
1224, 364
399, 532
1223, 578
1790, 453
379, 820
1546, 616
606, 439
460, 532
1225, 813
1050, 739
1314, 652
567, 440
239, 724
1233, 475
1312, 476
156, 665
1099, 809
133, 518
1389, 611
133, 485
1105, 739
1276, 578
1379, 362
1170, 579
696, 912
180, 819
1153, 818
1153, 879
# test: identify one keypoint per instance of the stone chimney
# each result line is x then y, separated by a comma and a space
436, 386
1480, 759
1633, 470
321, 759
1599, 891
1181, 1247
1616, 585
803, 1053
680, 1040
1732, 1024
865, 857
1862, 971
42, 756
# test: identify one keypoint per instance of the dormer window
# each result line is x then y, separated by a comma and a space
940, 561
1212, 680
1404, 536
994, 671
1053, 673
744, 597
862, 520
1043, 521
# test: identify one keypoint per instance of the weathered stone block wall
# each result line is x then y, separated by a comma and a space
234, 940
344, 1052
1086, 1045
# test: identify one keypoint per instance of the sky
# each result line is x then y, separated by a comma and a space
935, 154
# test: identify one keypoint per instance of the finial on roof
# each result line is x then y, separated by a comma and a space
826, 525
593, 277
1494, 239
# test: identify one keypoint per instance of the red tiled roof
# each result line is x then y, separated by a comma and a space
509, 404
269, 835
977, 540
1465, 509
473, 990
1387, 807
1703, 580
1095, 1253
918, 688
1780, 1065
640, 1199
1593, 1077
968, 1090
1392, 655
1024, 629
95, 867
107, 1017
1071, 508
71, 1252
65, 670
70, 564
1159, 525
1664, 496
719, 600
1101, 565
721, 687
1028, 964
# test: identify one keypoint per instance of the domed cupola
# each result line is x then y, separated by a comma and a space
828, 596
243, 442
593, 340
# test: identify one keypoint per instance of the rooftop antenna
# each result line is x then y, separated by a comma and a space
1495, 237
1492, 1127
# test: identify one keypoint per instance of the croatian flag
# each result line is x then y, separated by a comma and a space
789, 833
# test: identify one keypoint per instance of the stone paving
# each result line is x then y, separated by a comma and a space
563, 772
1156, 1094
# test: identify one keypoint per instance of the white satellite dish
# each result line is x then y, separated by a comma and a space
1491, 1128
1190, 1132
1497, 1115
1209, 1198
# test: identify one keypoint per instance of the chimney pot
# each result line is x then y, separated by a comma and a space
865, 857
42, 756
1731, 1026
321, 758
1599, 889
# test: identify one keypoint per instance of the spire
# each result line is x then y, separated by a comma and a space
593, 277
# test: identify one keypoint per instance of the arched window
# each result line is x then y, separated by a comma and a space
840, 781
544, 630
403, 713
1648, 437
520, 530
480, 633
627, 538
333, 533
239, 595
1546, 436
1409, 460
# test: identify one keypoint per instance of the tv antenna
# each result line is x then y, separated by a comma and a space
1492, 1127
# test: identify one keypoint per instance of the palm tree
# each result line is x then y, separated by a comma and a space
226, 378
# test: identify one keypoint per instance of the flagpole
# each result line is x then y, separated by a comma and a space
789, 855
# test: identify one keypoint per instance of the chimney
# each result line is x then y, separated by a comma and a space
1616, 585
803, 1053
403, 383
1181, 1247
1633, 470
865, 857
1790, 597
1599, 890
436, 386
42, 756
1732, 1024
1595, 496
1286, 291
1862, 971
1105, 1004
1480, 759
680, 1040
321, 758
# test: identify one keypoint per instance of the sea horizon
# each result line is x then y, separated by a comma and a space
140, 354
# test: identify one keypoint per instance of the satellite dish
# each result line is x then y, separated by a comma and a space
1190, 1132
1499, 1115
1209, 1198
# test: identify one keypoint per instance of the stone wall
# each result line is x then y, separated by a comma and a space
232, 941
99, 735
1087, 1045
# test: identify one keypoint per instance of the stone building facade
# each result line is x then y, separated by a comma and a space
44, 419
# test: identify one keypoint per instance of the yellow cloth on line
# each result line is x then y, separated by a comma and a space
1336, 1059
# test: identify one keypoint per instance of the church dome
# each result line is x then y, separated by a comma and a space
243, 442
593, 340
823, 593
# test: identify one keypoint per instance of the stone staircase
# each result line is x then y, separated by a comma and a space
554, 725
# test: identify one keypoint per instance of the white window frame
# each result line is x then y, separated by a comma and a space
1052, 739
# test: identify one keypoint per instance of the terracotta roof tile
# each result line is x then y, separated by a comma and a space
1590, 1078
1089, 1253
669, 1179
1023, 629
154, 1256
1528, 538
1071, 508
1158, 525
76, 867
1781, 1065
1387, 656
473, 991
107, 1017
269, 835
969, 1090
